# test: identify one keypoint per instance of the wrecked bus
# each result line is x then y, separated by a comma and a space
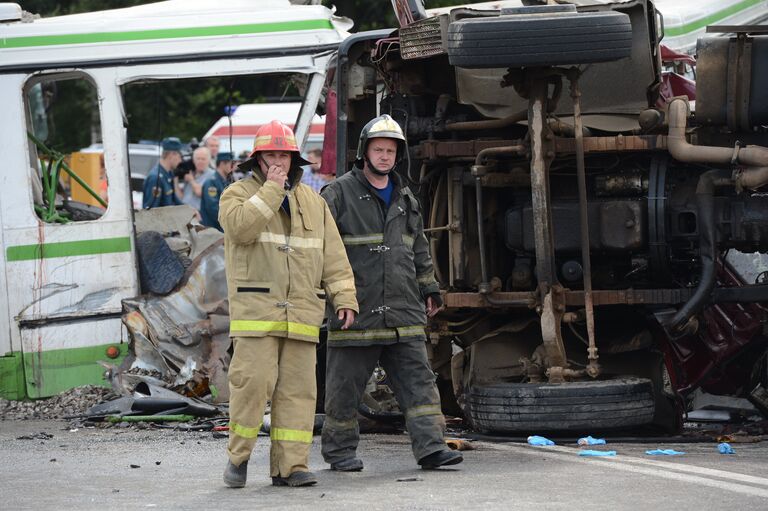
69, 255
600, 247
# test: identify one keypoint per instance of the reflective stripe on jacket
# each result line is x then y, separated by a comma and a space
390, 258
281, 268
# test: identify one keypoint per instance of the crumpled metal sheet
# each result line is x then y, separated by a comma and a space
183, 338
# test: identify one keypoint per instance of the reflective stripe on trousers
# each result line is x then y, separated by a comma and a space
281, 370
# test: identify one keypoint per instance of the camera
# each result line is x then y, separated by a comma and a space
187, 165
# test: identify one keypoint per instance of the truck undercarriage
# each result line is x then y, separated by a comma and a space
589, 235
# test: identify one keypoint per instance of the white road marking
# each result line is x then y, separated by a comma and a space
730, 481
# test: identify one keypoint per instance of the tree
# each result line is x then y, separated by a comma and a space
185, 108
370, 15
48, 8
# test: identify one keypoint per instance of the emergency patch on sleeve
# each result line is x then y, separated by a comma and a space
213, 191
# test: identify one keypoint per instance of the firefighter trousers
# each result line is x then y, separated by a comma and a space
348, 370
282, 371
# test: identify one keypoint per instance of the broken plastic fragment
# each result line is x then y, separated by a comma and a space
539, 440
663, 452
725, 448
588, 440
458, 444
588, 452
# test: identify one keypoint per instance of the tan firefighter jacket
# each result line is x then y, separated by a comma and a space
281, 268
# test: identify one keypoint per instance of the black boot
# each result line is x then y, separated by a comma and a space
235, 475
441, 458
295, 479
348, 465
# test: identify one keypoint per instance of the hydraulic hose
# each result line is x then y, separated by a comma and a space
705, 205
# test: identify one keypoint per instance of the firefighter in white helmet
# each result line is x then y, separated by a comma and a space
381, 225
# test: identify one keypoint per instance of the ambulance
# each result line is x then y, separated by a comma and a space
69, 256
237, 131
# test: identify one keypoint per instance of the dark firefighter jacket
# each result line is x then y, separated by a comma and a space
390, 258
280, 266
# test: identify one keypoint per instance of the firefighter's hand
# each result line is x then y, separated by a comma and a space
347, 317
278, 175
434, 304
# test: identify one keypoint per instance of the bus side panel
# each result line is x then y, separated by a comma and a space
13, 161
71, 355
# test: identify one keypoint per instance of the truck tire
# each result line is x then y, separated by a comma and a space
554, 39
586, 406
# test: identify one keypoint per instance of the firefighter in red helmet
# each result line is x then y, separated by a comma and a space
284, 259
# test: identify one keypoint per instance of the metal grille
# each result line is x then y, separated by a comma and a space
423, 38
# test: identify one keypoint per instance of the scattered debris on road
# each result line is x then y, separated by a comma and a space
663, 452
725, 448
72, 402
37, 436
539, 441
588, 452
588, 440
458, 444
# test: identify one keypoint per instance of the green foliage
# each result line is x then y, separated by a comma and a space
179, 108
68, 106
48, 8
373, 14
187, 108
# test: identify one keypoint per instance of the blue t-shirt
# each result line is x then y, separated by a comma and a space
385, 193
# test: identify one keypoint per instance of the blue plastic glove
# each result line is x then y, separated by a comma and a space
588, 440
539, 440
663, 452
587, 452
725, 448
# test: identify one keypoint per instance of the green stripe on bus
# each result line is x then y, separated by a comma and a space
709, 20
47, 373
68, 249
165, 33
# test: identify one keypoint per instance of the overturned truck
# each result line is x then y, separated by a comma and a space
598, 244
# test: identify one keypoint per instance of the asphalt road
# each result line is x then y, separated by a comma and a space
91, 469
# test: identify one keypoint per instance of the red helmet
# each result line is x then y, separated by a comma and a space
275, 136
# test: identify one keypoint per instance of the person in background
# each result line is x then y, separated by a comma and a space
212, 190
158, 186
103, 183
193, 181
239, 173
213, 144
315, 179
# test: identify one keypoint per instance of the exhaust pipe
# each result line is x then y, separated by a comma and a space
681, 150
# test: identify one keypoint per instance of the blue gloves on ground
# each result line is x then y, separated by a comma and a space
663, 452
725, 448
588, 440
539, 440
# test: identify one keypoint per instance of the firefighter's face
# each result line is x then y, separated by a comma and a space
280, 159
382, 153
